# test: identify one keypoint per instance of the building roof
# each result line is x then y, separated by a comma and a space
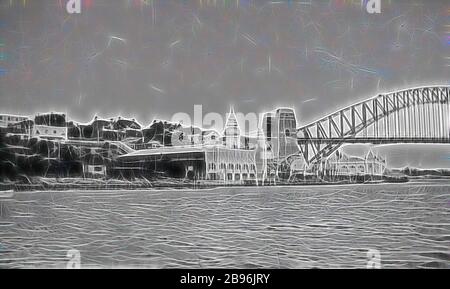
14, 115
340, 156
231, 125
127, 123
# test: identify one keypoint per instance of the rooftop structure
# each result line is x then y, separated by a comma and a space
232, 132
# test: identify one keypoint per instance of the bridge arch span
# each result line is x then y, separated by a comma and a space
415, 115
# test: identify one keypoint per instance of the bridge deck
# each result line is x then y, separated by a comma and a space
374, 140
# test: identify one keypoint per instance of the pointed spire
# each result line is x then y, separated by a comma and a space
232, 131
231, 119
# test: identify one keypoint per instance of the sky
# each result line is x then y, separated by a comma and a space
152, 59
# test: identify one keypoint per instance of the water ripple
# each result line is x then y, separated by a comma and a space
251, 227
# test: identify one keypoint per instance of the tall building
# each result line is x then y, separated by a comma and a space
279, 128
232, 132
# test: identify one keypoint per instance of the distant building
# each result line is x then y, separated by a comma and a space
23, 128
7, 119
50, 125
128, 129
94, 165
280, 128
197, 155
101, 129
210, 137
185, 136
340, 164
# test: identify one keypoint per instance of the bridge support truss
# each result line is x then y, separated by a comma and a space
418, 115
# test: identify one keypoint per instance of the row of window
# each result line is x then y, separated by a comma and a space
229, 177
11, 118
223, 166
46, 132
361, 167
354, 168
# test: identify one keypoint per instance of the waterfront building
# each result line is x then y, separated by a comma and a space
343, 165
298, 167
230, 165
215, 163
197, 155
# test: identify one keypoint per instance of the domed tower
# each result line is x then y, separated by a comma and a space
232, 132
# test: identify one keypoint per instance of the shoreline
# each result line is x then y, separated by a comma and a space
421, 181
116, 185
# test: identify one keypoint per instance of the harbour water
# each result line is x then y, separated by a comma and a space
248, 227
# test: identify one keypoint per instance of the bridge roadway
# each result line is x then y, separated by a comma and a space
376, 140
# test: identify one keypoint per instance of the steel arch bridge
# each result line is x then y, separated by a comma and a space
417, 115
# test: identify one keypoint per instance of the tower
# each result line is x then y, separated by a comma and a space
279, 127
232, 132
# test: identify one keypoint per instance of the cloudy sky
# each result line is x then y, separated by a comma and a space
152, 59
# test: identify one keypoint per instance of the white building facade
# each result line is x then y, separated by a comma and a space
340, 164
